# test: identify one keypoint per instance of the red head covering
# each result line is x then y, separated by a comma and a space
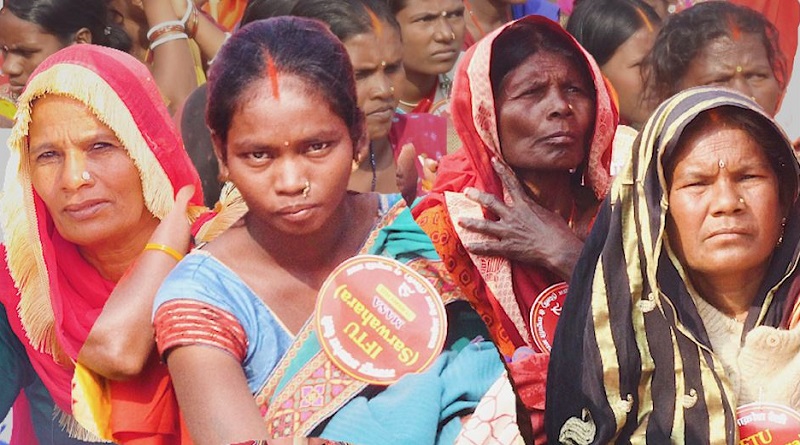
500, 290
60, 294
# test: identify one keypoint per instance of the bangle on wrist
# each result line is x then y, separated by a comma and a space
191, 30
162, 25
188, 13
168, 38
164, 30
164, 248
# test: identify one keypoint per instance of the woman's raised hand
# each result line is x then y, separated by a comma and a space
525, 231
175, 230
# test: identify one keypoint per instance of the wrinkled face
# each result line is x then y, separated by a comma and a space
84, 175
433, 33
378, 68
277, 147
742, 65
25, 45
724, 207
624, 71
545, 114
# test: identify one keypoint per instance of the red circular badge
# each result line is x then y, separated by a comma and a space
377, 319
762, 423
544, 315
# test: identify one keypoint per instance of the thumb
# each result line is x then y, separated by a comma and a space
182, 198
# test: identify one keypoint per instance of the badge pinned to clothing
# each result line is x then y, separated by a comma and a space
544, 315
763, 423
378, 320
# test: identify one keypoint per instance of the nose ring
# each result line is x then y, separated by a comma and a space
741, 200
306, 189
391, 89
452, 36
86, 176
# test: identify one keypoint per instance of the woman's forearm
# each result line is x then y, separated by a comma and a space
214, 396
173, 66
121, 339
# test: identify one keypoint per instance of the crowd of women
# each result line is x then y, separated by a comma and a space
399, 221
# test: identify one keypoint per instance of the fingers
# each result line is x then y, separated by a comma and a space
431, 165
483, 226
182, 198
487, 248
487, 200
509, 180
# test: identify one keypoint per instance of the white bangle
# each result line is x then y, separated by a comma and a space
168, 38
188, 13
161, 26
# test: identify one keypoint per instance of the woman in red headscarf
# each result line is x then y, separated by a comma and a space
510, 209
94, 215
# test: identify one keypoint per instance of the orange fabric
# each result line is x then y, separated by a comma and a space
77, 291
785, 15
228, 12
209, 325
149, 417
473, 112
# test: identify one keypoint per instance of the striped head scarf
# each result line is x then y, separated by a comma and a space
632, 361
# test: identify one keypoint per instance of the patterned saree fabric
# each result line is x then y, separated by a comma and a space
500, 290
52, 295
632, 361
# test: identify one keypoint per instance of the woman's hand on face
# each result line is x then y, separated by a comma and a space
175, 230
525, 231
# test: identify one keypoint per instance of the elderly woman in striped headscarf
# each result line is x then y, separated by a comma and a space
685, 288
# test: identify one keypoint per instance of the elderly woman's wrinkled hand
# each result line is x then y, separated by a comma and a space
525, 231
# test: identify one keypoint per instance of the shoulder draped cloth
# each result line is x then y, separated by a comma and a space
475, 120
52, 295
502, 291
632, 361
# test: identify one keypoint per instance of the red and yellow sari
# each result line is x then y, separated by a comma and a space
502, 291
51, 294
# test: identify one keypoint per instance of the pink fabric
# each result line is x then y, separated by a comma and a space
77, 291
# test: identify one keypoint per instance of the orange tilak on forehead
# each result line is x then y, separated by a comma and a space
714, 117
272, 75
647, 23
736, 32
376, 22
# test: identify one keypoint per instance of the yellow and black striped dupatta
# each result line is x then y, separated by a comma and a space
632, 362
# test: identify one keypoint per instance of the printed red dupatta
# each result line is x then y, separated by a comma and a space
51, 294
495, 286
